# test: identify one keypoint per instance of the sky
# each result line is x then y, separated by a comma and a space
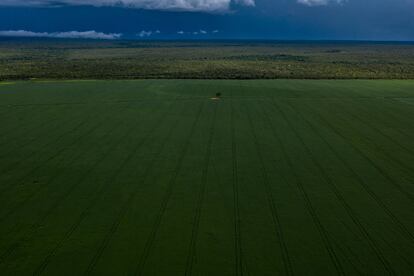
210, 19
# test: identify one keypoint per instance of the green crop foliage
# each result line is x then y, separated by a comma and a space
159, 177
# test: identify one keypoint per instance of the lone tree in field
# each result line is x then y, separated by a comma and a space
218, 95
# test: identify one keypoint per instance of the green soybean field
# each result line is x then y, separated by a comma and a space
207, 177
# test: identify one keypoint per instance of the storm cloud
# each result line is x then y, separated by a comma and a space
179, 5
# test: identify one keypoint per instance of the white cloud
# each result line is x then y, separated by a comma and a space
319, 2
145, 33
186, 5
72, 34
200, 32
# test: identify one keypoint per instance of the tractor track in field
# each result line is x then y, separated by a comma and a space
45, 123
398, 252
50, 180
366, 188
52, 123
356, 259
35, 127
271, 201
396, 119
308, 203
385, 112
378, 148
196, 222
351, 213
237, 220
114, 227
164, 203
29, 132
44, 145
10, 250
366, 158
386, 154
54, 206
402, 133
18, 114
348, 253
40, 269
399, 101
58, 201
56, 154
57, 174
